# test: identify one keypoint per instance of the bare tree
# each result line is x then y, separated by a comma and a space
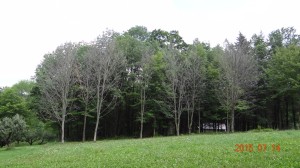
239, 73
107, 66
54, 79
85, 78
176, 76
195, 74
144, 79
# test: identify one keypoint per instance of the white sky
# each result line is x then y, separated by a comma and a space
31, 28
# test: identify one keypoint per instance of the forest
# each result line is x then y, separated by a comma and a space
143, 84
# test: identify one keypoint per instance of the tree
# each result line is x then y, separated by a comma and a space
132, 45
23, 87
85, 78
260, 94
239, 73
283, 76
107, 65
177, 79
54, 78
282, 38
195, 73
144, 79
11, 129
12, 103
138, 32
157, 92
164, 39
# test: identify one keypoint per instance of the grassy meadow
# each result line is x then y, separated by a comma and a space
250, 149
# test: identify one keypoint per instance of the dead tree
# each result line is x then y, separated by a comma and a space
175, 72
239, 73
107, 65
54, 79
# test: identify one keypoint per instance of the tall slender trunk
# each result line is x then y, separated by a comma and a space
227, 121
143, 97
99, 105
191, 117
199, 121
176, 123
63, 117
86, 99
287, 112
141, 131
63, 129
294, 113
154, 126
84, 124
188, 117
176, 113
177, 128
232, 120
97, 121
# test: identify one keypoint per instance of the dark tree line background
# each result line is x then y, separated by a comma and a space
144, 84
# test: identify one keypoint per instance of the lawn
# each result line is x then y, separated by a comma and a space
260, 149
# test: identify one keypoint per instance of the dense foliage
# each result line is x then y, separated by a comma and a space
142, 83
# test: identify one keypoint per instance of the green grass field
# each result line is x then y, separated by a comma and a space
214, 150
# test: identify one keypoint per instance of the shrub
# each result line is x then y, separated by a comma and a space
37, 132
11, 129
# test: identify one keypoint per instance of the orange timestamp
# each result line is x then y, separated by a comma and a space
258, 148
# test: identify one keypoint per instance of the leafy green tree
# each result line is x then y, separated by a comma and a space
23, 87
135, 47
282, 38
138, 32
282, 73
164, 39
12, 103
212, 110
260, 94
158, 110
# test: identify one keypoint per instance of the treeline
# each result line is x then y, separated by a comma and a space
142, 83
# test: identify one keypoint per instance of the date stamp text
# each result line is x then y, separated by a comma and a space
258, 148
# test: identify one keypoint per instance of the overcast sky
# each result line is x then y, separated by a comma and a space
31, 28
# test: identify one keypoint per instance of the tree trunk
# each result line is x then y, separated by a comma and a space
232, 120
63, 129
63, 118
227, 122
154, 126
96, 128
141, 131
177, 129
199, 121
294, 113
98, 113
99, 103
192, 114
287, 113
188, 117
84, 127
177, 124
143, 97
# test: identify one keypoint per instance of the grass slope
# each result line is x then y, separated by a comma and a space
185, 151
